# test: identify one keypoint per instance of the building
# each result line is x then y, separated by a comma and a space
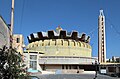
115, 59
4, 33
101, 38
18, 43
18, 40
59, 49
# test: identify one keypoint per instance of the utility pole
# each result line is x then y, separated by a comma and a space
12, 24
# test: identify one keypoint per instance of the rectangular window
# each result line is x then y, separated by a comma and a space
18, 40
33, 65
70, 67
62, 66
33, 57
66, 66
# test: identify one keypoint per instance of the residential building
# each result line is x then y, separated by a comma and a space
18, 43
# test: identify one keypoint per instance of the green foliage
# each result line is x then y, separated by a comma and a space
11, 66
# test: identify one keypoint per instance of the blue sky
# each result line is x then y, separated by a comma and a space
81, 15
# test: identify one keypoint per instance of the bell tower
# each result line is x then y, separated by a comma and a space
101, 38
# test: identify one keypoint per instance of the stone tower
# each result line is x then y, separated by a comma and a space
101, 38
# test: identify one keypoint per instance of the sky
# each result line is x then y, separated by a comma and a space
81, 15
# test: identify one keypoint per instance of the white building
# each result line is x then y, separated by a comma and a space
4, 34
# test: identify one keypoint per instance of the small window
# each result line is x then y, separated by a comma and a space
102, 23
18, 40
102, 18
102, 31
102, 34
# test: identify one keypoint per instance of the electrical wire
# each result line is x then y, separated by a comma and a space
21, 20
91, 32
113, 26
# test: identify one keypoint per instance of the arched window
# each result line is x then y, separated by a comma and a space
49, 43
79, 44
42, 43
74, 43
68, 43
62, 42
83, 44
87, 45
55, 42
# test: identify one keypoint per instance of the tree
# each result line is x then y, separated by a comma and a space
11, 66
